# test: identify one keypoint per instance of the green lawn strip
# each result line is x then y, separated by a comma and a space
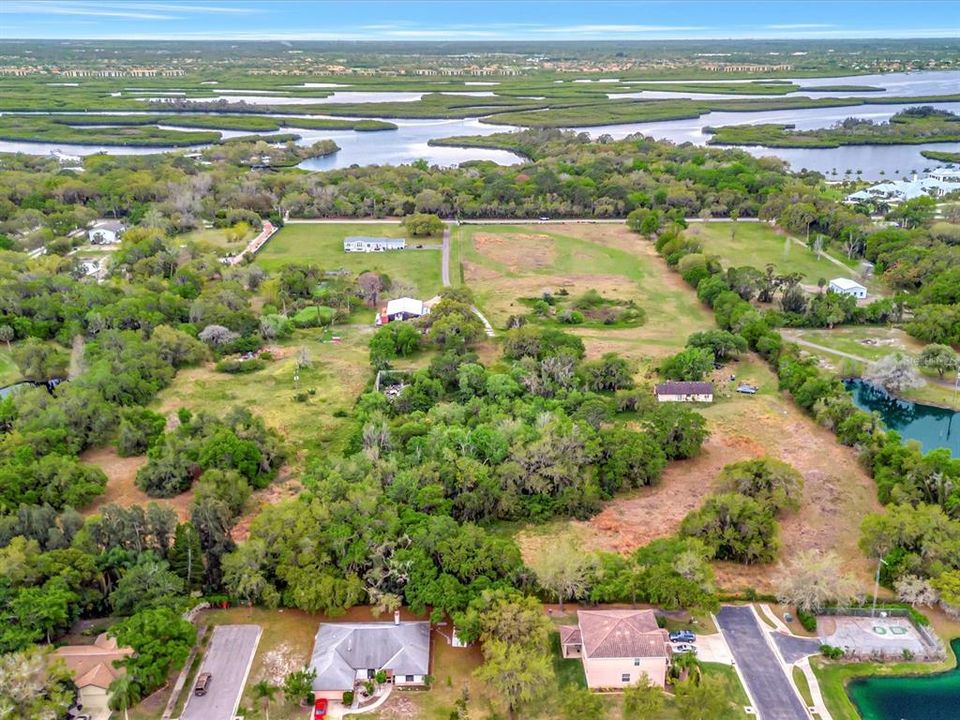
800, 680
569, 671
216, 237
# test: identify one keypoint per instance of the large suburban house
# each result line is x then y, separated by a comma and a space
106, 232
936, 184
93, 670
346, 655
845, 286
361, 243
617, 647
684, 391
405, 308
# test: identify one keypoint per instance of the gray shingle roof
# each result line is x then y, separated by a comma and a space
341, 649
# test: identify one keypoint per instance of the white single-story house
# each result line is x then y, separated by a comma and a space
617, 647
845, 286
106, 232
684, 391
361, 243
93, 670
405, 308
349, 654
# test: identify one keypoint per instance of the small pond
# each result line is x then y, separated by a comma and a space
928, 697
932, 427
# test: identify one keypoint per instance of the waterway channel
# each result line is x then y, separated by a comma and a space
409, 141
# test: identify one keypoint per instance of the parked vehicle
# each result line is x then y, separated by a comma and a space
683, 636
203, 682
320, 709
682, 648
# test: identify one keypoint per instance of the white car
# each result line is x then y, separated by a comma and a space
684, 648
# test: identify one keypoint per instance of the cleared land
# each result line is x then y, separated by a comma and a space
335, 377
121, 483
759, 245
322, 244
216, 237
503, 263
837, 491
837, 348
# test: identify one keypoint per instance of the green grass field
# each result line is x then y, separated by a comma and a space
9, 372
216, 237
759, 244
503, 263
322, 244
337, 375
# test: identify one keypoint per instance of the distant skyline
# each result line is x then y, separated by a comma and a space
398, 20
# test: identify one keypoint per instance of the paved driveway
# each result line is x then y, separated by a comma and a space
227, 659
773, 694
793, 648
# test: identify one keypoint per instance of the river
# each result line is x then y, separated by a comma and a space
928, 697
410, 140
932, 427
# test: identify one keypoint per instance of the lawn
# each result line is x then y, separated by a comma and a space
9, 372
503, 263
216, 237
759, 244
335, 377
322, 244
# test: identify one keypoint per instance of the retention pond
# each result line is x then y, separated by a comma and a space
922, 697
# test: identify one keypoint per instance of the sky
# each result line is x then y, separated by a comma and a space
399, 20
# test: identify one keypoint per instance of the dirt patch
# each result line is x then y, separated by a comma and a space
517, 251
399, 706
280, 662
121, 483
472, 272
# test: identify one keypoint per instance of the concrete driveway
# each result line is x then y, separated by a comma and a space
766, 680
228, 660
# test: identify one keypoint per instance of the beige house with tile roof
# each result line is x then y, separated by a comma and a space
617, 646
93, 671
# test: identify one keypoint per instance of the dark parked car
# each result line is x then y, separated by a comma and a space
203, 682
683, 636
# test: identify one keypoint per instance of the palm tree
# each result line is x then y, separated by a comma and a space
264, 692
125, 692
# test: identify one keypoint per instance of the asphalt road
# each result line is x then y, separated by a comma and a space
769, 687
793, 649
227, 659
445, 257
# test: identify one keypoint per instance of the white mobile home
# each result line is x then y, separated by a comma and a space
684, 391
360, 243
845, 286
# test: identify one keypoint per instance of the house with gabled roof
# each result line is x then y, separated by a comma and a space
617, 647
93, 668
348, 654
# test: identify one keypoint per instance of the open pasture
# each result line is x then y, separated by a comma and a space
503, 263
322, 244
